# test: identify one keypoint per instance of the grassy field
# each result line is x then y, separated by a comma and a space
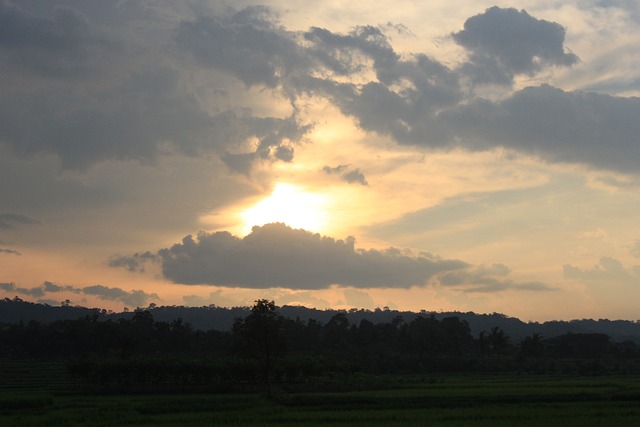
446, 401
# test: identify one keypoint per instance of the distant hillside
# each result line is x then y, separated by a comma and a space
220, 318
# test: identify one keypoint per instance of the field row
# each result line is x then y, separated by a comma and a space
455, 401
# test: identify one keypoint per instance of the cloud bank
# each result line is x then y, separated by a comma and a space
135, 298
135, 86
278, 256
607, 271
488, 279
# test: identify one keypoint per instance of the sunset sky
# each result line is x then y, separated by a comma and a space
440, 155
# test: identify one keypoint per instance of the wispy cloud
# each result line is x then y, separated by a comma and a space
492, 278
9, 251
10, 221
135, 298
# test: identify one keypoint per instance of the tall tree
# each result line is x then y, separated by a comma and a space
259, 336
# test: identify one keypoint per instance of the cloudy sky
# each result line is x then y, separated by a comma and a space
468, 155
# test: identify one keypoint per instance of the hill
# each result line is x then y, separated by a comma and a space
15, 310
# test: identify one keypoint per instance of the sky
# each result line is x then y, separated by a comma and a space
441, 156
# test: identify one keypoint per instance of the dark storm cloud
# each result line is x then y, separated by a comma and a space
506, 42
276, 255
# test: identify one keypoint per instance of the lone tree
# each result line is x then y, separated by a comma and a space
259, 336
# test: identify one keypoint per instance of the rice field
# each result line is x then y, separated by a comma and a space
440, 401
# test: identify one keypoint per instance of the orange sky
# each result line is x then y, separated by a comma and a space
424, 155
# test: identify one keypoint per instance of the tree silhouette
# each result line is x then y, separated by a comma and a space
532, 347
259, 336
498, 340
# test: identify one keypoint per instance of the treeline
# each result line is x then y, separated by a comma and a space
222, 318
264, 348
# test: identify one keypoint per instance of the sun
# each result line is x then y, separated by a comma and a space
291, 205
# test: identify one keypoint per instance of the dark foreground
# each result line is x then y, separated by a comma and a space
438, 401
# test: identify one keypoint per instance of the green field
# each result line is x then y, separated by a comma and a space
438, 401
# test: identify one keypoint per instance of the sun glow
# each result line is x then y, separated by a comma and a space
291, 205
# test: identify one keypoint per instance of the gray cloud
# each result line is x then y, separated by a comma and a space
505, 42
490, 278
357, 298
635, 249
53, 288
97, 81
135, 263
218, 298
431, 109
248, 44
12, 221
135, 298
274, 137
7, 286
608, 270
8, 221
355, 176
126, 96
57, 45
559, 126
619, 184
343, 54
276, 255
350, 176
9, 251
11, 287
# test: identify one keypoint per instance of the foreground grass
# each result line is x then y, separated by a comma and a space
464, 401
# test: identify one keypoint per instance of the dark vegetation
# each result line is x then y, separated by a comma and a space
450, 401
265, 351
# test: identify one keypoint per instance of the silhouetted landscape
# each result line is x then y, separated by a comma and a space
215, 348
202, 202
289, 354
